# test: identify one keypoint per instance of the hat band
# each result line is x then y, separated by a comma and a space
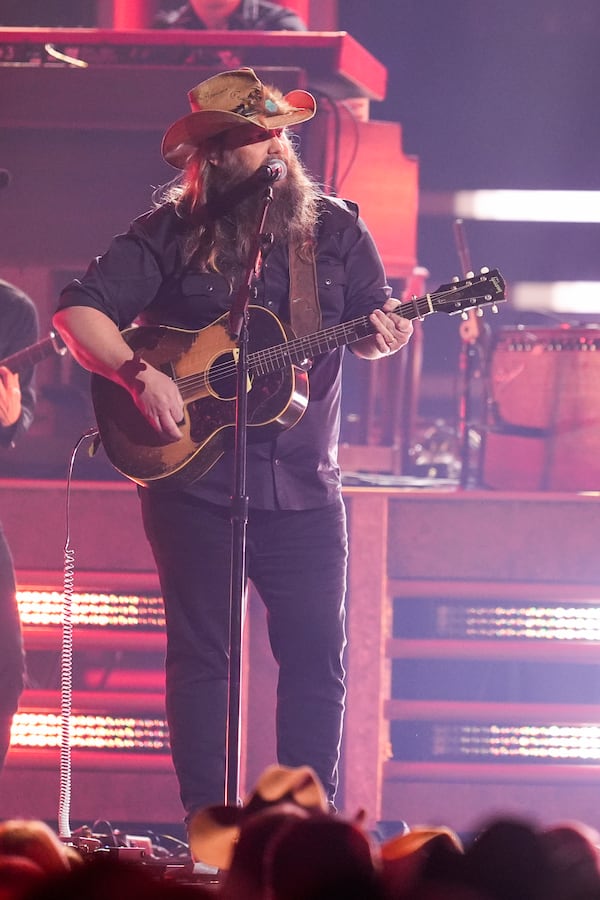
248, 108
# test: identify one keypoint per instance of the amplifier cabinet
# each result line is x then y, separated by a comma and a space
543, 428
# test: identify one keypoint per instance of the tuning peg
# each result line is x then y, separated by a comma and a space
484, 270
470, 275
455, 279
464, 315
479, 312
494, 308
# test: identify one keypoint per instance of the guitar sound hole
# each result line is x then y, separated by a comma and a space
222, 377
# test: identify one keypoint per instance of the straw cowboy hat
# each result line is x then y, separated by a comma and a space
230, 100
213, 832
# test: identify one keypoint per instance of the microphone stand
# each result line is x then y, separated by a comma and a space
238, 327
473, 364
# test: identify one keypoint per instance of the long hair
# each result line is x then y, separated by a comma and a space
219, 240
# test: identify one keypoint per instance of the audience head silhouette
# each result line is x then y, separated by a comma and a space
284, 843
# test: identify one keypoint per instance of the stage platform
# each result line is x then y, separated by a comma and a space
472, 656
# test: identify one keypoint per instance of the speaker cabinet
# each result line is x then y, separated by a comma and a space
543, 431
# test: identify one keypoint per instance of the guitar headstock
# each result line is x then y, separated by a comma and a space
472, 293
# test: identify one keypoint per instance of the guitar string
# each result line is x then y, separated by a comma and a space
296, 347
283, 352
290, 351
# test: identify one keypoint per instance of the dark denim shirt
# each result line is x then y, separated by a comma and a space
142, 277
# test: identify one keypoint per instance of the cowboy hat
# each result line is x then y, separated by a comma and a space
214, 831
420, 851
230, 100
418, 838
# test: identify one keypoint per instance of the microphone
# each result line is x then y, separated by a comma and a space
278, 169
274, 170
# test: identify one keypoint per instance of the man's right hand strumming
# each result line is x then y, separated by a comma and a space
155, 395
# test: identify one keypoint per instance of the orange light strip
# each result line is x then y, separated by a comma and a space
95, 610
91, 732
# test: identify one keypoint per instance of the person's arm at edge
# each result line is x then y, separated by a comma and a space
97, 344
27, 329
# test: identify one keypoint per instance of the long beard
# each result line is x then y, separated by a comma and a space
291, 218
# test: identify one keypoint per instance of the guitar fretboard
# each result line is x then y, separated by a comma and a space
32, 355
298, 350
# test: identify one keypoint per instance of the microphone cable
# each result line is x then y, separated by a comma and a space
340, 112
66, 666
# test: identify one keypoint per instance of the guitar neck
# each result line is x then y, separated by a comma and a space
30, 356
298, 350
458, 297
482, 290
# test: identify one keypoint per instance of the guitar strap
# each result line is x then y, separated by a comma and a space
305, 311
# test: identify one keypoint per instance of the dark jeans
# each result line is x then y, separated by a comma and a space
12, 659
297, 562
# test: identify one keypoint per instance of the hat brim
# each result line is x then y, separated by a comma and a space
186, 134
417, 839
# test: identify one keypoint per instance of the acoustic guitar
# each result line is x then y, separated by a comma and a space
203, 365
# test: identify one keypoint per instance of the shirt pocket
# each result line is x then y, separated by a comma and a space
331, 280
203, 297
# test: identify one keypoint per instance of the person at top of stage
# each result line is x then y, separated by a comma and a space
181, 265
242, 15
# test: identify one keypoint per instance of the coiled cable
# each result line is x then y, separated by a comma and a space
66, 667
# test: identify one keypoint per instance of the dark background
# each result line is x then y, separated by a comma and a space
49, 13
493, 95
490, 95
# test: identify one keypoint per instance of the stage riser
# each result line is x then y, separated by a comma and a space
444, 547
113, 796
467, 804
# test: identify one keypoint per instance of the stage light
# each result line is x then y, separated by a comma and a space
552, 743
528, 622
514, 205
123, 611
42, 730
575, 297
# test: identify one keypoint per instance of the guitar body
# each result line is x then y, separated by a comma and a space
203, 363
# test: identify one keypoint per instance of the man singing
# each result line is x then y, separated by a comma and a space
181, 265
